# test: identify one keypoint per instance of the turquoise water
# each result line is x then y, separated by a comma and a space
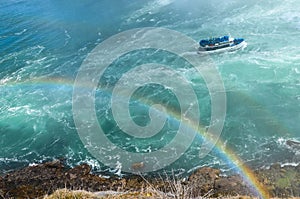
42, 46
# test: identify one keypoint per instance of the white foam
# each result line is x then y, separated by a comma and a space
32, 164
294, 164
151, 8
20, 33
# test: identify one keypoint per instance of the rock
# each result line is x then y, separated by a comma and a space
33, 181
80, 170
137, 166
294, 144
53, 164
72, 176
276, 166
203, 179
36, 181
132, 183
231, 185
205, 173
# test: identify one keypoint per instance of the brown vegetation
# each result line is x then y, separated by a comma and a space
54, 177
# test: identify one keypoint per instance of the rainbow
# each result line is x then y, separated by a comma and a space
227, 154
232, 159
48, 81
247, 174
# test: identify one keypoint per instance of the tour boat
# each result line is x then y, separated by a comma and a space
220, 44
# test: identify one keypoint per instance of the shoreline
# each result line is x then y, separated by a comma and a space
44, 179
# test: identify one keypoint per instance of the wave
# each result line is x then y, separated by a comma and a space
43, 52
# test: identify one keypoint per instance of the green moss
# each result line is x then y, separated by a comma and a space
286, 181
283, 183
